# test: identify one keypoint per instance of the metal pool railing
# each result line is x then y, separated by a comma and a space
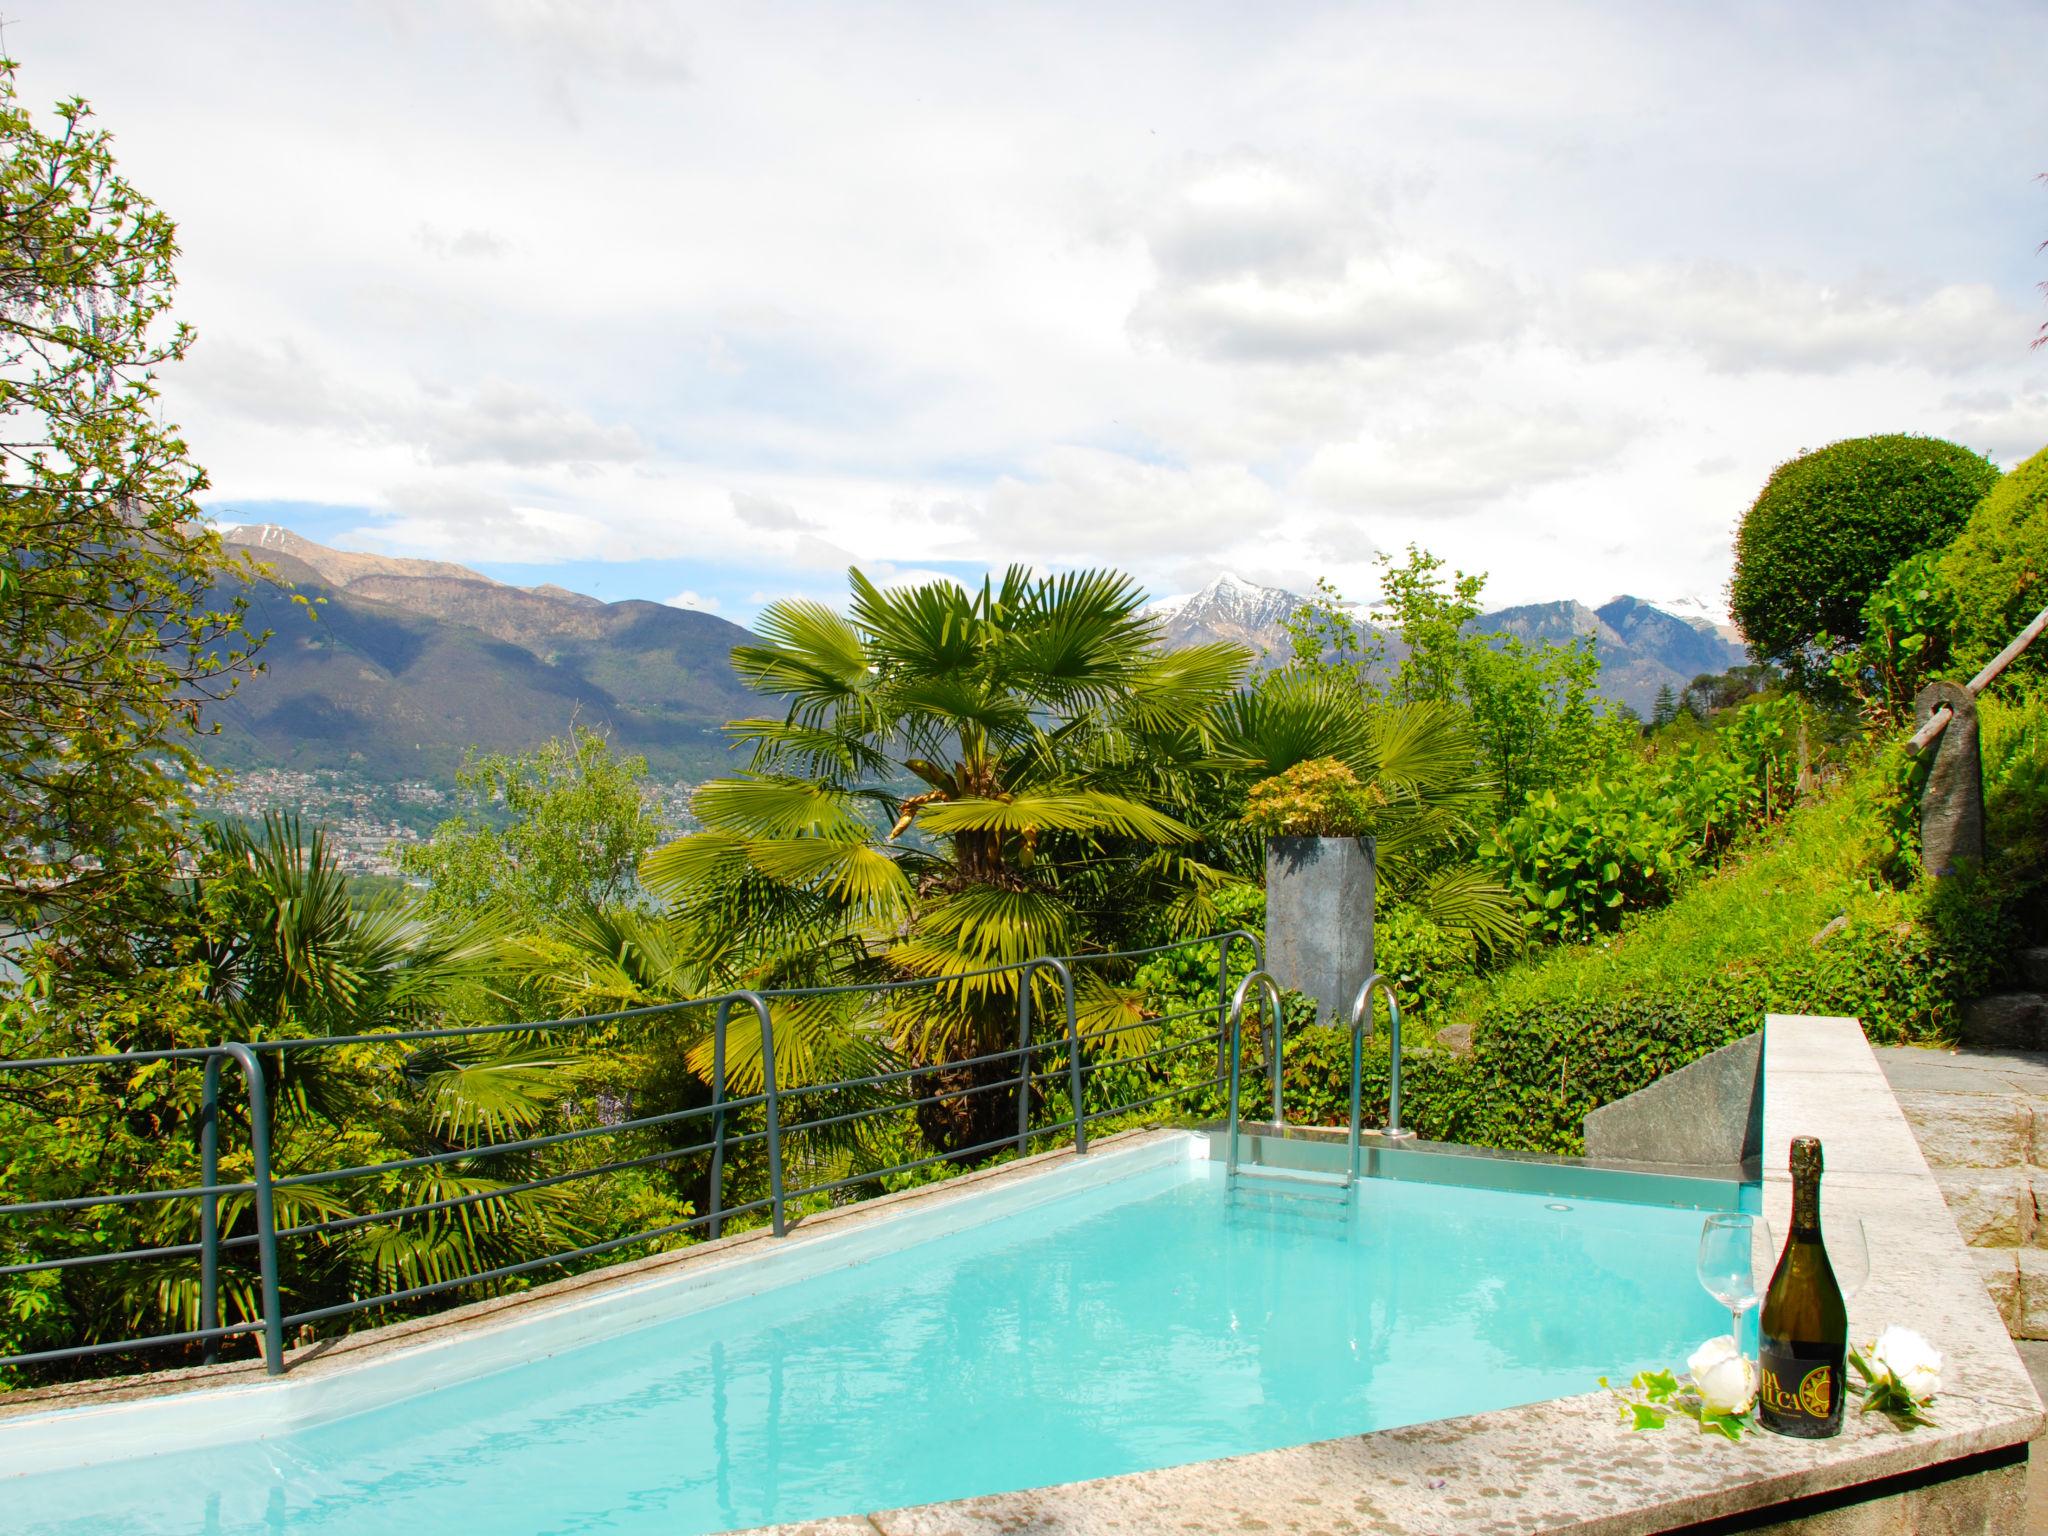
266, 1068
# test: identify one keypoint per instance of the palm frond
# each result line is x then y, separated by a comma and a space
1464, 898
763, 806
1080, 811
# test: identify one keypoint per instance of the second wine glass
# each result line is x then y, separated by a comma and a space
1735, 1262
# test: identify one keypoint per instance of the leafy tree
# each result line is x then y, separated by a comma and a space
1534, 711
961, 780
1710, 692
1908, 623
262, 941
574, 828
112, 638
1325, 637
1432, 617
1827, 529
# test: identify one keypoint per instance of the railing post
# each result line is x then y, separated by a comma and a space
1278, 1037
266, 1206
1076, 1072
760, 1007
209, 1204
1024, 1059
1952, 801
721, 1016
1222, 998
1077, 1086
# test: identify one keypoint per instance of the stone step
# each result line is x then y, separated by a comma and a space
1996, 1207
2011, 1020
2017, 1279
1974, 1130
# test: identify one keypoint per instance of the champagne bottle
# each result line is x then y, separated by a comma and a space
1804, 1326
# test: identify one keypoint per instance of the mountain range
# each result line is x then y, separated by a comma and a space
402, 665
1642, 646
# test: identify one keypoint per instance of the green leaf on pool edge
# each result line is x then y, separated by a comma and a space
1647, 1416
1660, 1385
1730, 1425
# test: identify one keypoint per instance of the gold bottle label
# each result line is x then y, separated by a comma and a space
1813, 1396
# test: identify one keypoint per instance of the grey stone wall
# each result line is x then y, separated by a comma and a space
1711, 1111
1319, 898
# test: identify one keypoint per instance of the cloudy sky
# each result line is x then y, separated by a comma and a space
703, 303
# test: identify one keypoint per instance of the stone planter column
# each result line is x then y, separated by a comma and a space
1319, 896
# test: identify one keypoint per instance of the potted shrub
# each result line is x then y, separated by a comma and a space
1318, 821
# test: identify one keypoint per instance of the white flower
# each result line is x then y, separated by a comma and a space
1909, 1360
1723, 1375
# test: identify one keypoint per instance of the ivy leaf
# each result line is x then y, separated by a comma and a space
1728, 1425
1647, 1416
1661, 1386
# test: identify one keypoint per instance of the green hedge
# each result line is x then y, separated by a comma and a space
1997, 568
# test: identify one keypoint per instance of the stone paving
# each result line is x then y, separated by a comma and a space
1981, 1117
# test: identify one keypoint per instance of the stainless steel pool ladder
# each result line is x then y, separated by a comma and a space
1361, 1026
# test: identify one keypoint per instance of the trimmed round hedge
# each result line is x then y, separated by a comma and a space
1998, 566
1829, 526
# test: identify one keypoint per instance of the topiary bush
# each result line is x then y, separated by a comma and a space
1827, 529
1998, 567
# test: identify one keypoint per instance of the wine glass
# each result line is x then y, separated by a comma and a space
1848, 1252
1735, 1248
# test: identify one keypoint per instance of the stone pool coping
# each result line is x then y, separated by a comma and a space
1569, 1465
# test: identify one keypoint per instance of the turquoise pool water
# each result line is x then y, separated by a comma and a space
1151, 1321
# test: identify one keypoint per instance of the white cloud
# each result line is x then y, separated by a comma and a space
1741, 319
1392, 304
768, 514
462, 243
1547, 290
506, 423
2006, 426
1463, 456
495, 423
632, 39
1088, 505
455, 521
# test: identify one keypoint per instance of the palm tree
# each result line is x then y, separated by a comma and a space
1420, 760
960, 780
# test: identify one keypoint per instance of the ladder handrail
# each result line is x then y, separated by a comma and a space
1236, 1027
1361, 1026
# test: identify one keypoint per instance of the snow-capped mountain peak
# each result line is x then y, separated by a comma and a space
1229, 608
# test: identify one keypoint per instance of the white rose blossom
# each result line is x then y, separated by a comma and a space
1723, 1375
1910, 1361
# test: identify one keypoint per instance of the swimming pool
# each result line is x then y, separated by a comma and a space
1122, 1312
